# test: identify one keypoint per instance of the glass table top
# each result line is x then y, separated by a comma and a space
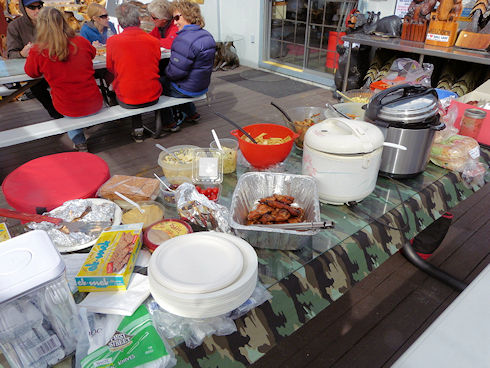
275, 265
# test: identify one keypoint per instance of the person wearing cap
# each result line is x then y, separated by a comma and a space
21, 34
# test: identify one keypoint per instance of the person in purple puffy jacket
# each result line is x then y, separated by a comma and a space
188, 72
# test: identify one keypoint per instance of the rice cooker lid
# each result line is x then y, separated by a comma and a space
344, 136
405, 104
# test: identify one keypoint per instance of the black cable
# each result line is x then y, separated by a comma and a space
431, 270
411, 255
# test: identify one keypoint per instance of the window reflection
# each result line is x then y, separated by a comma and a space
302, 34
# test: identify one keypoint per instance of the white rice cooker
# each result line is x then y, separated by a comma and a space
344, 157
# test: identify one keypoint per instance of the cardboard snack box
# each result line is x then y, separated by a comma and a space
111, 260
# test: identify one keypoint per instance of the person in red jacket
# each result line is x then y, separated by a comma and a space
133, 57
165, 29
65, 61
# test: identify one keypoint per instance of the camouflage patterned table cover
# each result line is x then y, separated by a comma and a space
306, 281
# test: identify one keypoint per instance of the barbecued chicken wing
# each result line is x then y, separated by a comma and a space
261, 209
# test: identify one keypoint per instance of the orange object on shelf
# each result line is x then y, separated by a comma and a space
414, 30
441, 33
334, 39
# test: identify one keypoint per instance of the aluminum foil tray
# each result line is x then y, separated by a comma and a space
252, 186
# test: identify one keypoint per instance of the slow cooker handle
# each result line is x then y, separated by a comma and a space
439, 126
408, 92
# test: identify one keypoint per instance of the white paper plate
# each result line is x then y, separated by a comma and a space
213, 303
116, 221
197, 264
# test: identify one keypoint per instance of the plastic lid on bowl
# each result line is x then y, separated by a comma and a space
207, 166
164, 230
344, 136
197, 264
27, 262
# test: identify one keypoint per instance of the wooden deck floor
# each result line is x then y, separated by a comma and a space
372, 324
379, 318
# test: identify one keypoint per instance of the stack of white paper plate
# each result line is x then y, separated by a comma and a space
203, 274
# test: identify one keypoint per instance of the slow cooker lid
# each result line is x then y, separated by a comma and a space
344, 136
403, 104
413, 110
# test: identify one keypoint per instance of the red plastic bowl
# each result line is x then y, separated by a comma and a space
261, 155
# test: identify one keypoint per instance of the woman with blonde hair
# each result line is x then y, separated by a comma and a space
98, 28
65, 61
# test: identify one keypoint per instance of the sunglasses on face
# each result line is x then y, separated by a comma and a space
177, 17
34, 7
103, 16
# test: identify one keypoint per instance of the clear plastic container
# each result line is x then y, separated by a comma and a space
39, 324
230, 152
178, 172
207, 172
207, 167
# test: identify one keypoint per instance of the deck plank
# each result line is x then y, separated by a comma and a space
373, 323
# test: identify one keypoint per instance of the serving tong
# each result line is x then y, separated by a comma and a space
312, 225
75, 226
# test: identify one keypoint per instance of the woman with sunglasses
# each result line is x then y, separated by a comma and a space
165, 29
188, 72
65, 60
21, 34
99, 27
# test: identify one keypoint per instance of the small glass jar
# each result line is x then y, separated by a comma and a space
472, 122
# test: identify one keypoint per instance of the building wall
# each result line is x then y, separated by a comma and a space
237, 20
386, 7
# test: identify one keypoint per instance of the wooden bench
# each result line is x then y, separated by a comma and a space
58, 126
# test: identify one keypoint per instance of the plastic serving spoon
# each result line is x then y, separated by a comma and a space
236, 126
215, 136
163, 183
168, 152
130, 201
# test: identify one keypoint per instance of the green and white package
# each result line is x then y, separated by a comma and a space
136, 343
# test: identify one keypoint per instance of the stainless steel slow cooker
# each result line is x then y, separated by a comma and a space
408, 116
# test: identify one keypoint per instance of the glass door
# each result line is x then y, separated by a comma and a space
303, 34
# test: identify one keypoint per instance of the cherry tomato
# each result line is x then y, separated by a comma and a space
207, 191
215, 190
198, 188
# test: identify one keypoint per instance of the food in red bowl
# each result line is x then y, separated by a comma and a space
275, 143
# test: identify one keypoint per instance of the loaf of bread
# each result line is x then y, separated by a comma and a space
133, 187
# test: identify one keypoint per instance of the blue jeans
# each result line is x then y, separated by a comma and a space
171, 115
77, 136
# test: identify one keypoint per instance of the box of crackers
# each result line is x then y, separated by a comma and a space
111, 260
4, 232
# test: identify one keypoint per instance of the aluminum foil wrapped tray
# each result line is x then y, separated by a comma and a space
252, 186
